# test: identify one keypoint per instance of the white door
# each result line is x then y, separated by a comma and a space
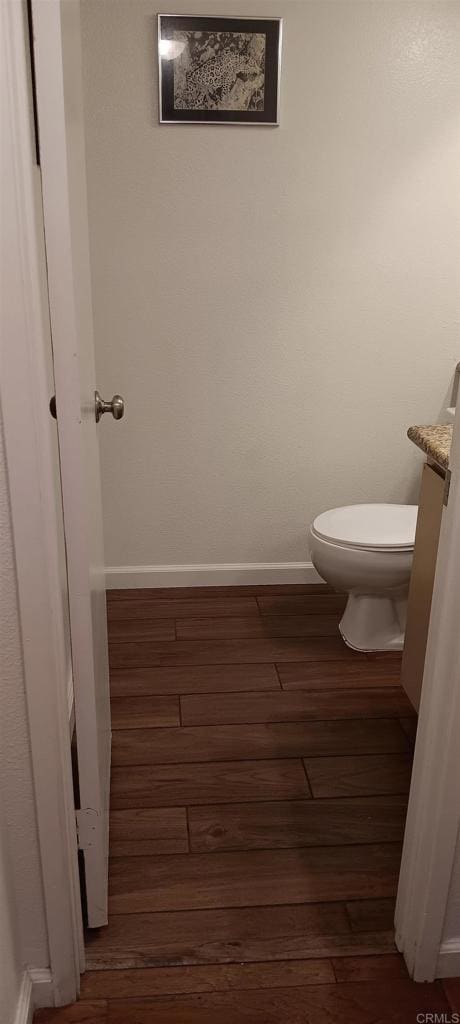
56, 32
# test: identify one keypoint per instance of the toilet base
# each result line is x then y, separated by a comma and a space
371, 622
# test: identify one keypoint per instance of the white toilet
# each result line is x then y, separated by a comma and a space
366, 551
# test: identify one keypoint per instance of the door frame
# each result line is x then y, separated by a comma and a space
433, 819
434, 806
29, 455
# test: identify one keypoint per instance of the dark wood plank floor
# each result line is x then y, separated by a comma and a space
259, 790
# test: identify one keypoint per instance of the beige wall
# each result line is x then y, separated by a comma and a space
277, 305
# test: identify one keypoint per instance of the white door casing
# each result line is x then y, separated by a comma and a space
56, 30
30, 442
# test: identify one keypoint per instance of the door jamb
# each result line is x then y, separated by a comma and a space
433, 817
31, 481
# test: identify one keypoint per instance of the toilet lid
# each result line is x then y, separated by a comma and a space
369, 526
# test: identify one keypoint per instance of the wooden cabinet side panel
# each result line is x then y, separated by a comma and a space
421, 582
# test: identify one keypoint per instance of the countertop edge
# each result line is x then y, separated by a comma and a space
435, 440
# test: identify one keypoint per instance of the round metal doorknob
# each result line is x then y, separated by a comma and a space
116, 406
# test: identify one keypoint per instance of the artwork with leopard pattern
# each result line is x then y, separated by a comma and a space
224, 71
219, 69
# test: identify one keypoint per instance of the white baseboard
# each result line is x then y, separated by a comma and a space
25, 1006
448, 965
42, 986
36, 991
240, 575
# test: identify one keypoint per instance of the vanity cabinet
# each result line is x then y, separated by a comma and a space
422, 580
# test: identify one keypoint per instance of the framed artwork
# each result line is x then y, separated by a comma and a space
216, 70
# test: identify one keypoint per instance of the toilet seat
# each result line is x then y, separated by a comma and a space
376, 527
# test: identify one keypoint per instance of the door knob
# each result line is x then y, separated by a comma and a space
116, 406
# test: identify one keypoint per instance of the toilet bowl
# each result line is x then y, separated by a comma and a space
366, 551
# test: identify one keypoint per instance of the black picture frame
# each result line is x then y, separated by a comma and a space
219, 70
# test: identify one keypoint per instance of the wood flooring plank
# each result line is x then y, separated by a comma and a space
222, 936
177, 608
193, 679
256, 742
93, 1011
404, 1000
148, 830
288, 823
137, 955
208, 783
194, 593
269, 877
142, 653
451, 988
371, 915
146, 712
359, 775
369, 968
155, 981
339, 675
298, 705
387, 656
141, 629
261, 626
302, 604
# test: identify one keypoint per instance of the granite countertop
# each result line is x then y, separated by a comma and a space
435, 441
